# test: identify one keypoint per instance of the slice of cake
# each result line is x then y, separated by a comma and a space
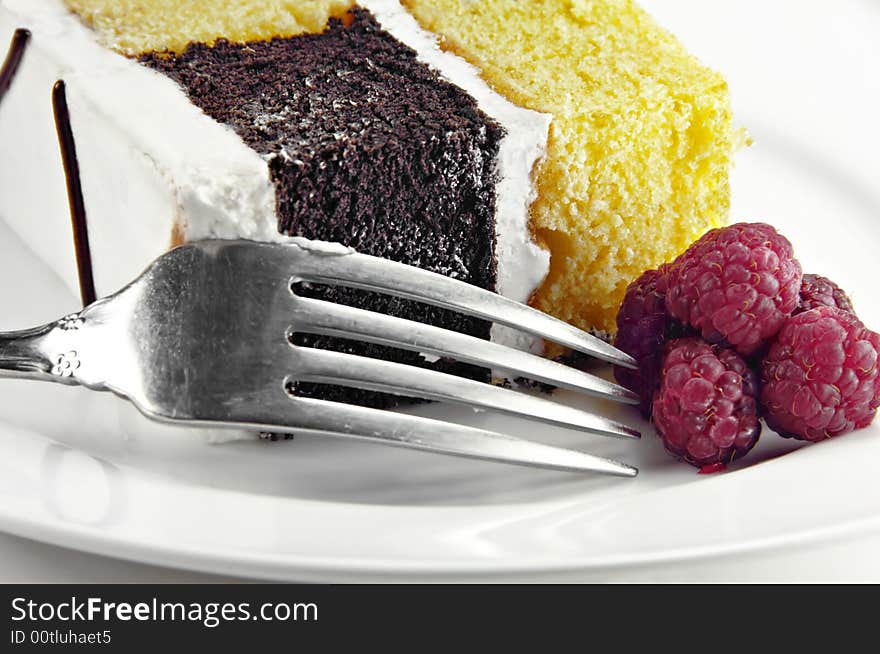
550, 150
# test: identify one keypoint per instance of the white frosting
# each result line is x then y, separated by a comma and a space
153, 163
326, 248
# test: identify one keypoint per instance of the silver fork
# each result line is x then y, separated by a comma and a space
202, 337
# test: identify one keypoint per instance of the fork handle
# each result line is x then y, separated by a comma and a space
26, 354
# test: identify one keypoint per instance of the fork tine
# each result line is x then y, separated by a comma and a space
384, 276
326, 367
327, 318
336, 418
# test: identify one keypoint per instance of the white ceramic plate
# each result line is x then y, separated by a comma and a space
85, 470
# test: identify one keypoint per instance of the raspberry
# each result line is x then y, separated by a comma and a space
737, 285
820, 376
641, 332
706, 410
818, 291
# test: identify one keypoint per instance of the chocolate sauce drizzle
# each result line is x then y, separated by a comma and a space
74, 194
17, 47
13, 59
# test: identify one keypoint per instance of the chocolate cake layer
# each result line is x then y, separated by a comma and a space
367, 147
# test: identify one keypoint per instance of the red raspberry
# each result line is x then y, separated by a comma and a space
706, 410
641, 332
820, 376
737, 285
818, 291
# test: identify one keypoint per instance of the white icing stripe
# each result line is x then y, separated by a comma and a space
522, 264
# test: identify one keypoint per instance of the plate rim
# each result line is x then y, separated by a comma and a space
269, 567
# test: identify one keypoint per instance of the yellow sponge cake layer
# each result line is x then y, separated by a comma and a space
137, 26
640, 143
